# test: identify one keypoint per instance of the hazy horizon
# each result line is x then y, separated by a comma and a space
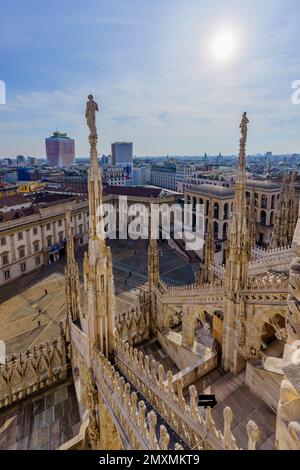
151, 69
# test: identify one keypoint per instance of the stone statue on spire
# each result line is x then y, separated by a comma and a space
244, 127
90, 114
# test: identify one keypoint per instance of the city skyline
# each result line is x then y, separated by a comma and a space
151, 69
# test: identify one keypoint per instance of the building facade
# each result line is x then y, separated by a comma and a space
60, 150
262, 195
122, 157
114, 176
141, 175
33, 235
31, 241
7, 189
171, 175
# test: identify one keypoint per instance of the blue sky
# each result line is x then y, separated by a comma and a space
150, 67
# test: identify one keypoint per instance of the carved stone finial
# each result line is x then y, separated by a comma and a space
164, 438
254, 434
228, 440
152, 425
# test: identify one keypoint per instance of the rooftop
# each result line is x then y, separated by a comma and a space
59, 135
225, 191
216, 190
4, 185
138, 191
263, 184
13, 200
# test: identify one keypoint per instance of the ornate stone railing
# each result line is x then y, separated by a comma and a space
261, 253
33, 371
219, 270
276, 257
274, 281
156, 386
264, 297
195, 288
138, 427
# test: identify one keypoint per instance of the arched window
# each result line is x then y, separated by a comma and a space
216, 229
272, 218
263, 217
225, 211
273, 202
216, 210
263, 201
207, 207
247, 198
188, 199
194, 203
194, 220
256, 199
225, 226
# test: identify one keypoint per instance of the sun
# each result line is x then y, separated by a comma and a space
223, 46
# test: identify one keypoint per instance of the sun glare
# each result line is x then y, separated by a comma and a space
223, 46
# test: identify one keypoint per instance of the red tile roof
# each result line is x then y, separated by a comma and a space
15, 199
138, 191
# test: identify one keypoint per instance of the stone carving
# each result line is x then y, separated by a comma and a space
90, 114
34, 370
244, 127
92, 403
254, 434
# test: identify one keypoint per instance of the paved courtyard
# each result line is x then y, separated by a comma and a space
32, 307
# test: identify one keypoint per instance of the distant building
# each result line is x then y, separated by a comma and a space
11, 176
33, 229
170, 175
105, 160
7, 189
164, 176
31, 161
60, 150
122, 157
113, 176
21, 160
24, 174
182, 172
7, 161
141, 175
14, 202
265, 193
28, 187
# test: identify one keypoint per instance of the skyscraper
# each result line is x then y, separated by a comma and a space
60, 150
21, 160
122, 156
